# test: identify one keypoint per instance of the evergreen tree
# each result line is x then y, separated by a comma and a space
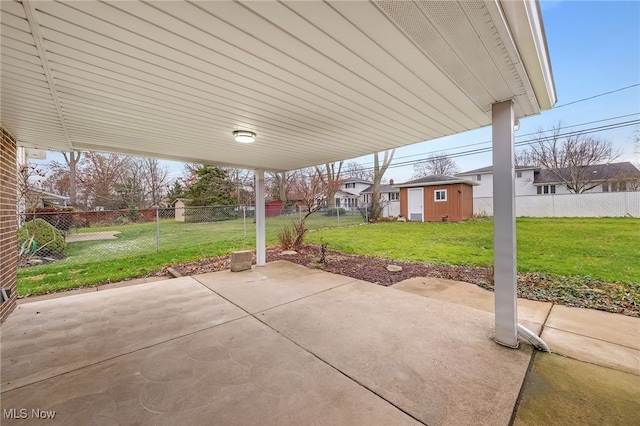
177, 191
212, 188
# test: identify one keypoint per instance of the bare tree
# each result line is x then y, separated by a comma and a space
154, 179
378, 172
568, 159
358, 171
72, 159
435, 164
281, 183
309, 188
524, 158
57, 179
98, 174
29, 176
244, 182
330, 178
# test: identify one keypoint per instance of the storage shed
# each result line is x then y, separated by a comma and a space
273, 208
436, 198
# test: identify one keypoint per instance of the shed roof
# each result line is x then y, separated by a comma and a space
434, 180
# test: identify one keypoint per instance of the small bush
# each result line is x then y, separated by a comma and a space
286, 237
49, 241
335, 212
292, 236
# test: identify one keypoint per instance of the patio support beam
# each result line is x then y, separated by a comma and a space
504, 225
261, 250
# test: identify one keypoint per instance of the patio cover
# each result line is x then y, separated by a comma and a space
316, 81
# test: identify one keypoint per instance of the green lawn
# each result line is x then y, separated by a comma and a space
135, 252
606, 249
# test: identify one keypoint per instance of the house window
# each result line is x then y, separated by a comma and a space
394, 196
546, 189
605, 187
338, 203
478, 178
365, 198
351, 202
440, 195
350, 185
518, 174
622, 186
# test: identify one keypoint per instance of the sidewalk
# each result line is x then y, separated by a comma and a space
602, 338
591, 378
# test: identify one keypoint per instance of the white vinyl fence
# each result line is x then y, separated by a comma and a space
608, 204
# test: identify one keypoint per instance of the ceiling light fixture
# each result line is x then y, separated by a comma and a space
244, 136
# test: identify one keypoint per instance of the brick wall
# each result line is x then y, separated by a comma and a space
8, 221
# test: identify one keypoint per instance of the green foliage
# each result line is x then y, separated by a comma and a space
177, 191
129, 194
212, 188
49, 241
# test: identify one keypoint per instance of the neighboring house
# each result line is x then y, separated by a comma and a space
389, 197
437, 198
483, 177
532, 180
36, 198
347, 196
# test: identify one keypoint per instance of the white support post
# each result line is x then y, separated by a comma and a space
261, 250
504, 225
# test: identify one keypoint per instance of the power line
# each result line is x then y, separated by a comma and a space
521, 135
597, 96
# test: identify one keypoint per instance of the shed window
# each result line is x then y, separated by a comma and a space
478, 178
440, 195
518, 174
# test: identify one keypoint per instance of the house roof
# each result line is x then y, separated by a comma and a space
435, 180
489, 169
597, 172
316, 81
383, 189
356, 180
49, 195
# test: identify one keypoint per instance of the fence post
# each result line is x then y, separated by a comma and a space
157, 229
244, 223
338, 214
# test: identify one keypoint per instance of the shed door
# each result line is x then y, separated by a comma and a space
416, 210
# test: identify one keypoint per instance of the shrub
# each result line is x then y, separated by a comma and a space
49, 241
292, 236
61, 218
286, 237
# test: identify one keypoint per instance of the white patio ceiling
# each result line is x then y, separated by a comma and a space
317, 81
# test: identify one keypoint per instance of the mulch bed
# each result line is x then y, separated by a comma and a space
571, 291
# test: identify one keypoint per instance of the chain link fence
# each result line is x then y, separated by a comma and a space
181, 232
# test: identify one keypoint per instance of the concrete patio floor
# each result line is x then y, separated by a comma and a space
280, 344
